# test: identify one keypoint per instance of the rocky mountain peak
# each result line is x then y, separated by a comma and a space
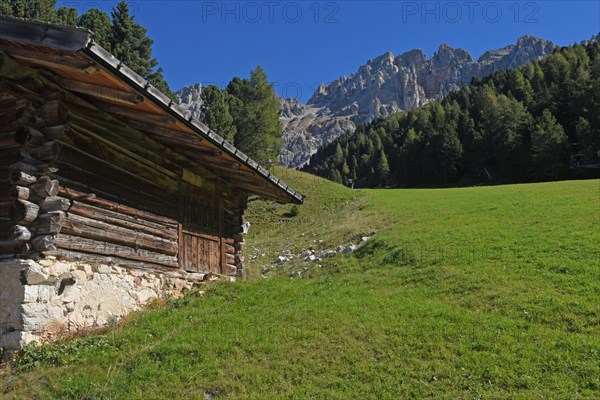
384, 85
447, 56
388, 84
190, 100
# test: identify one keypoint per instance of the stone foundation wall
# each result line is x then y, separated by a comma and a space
42, 299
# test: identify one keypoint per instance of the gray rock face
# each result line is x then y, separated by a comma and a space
189, 99
385, 85
388, 84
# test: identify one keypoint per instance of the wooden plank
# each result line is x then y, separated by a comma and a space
13, 246
119, 194
115, 218
159, 119
72, 255
181, 252
55, 203
5, 207
53, 65
77, 64
117, 207
92, 229
124, 159
83, 167
223, 255
134, 142
172, 134
48, 223
76, 243
53, 112
108, 94
23, 211
7, 139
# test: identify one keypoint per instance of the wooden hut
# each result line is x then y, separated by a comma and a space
98, 165
110, 195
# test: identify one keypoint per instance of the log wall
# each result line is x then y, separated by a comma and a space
76, 183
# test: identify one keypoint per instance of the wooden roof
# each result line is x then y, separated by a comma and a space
85, 68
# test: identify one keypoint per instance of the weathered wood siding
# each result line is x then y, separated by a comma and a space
79, 184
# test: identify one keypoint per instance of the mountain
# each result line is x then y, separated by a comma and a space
189, 99
388, 84
538, 122
385, 85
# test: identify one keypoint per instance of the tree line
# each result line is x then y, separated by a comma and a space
534, 123
245, 113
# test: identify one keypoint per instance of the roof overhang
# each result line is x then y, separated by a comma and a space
81, 65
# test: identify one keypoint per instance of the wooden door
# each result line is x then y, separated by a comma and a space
200, 253
200, 210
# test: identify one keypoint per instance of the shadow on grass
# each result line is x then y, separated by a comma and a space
378, 252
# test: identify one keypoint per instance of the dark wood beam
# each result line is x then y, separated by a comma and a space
108, 94
159, 119
55, 63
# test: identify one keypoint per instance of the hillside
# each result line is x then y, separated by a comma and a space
484, 292
530, 124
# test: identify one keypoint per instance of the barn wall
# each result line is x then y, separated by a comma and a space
112, 191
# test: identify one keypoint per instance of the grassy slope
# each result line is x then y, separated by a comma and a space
489, 291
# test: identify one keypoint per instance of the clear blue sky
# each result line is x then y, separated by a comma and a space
303, 43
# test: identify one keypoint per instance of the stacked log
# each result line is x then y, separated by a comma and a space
103, 228
235, 204
99, 155
33, 210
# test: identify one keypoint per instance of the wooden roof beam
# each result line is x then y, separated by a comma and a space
130, 113
56, 63
171, 134
111, 95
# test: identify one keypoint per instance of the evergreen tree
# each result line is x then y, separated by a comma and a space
130, 44
588, 142
66, 16
215, 112
383, 168
548, 142
98, 22
338, 158
255, 109
40, 10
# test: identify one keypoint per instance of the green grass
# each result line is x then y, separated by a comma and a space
488, 292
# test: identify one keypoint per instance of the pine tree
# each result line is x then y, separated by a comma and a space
548, 142
130, 44
215, 112
382, 168
66, 16
338, 157
98, 22
40, 10
255, 109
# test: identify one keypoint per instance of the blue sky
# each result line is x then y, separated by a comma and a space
303, 43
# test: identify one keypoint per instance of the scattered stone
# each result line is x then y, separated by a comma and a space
245, 227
